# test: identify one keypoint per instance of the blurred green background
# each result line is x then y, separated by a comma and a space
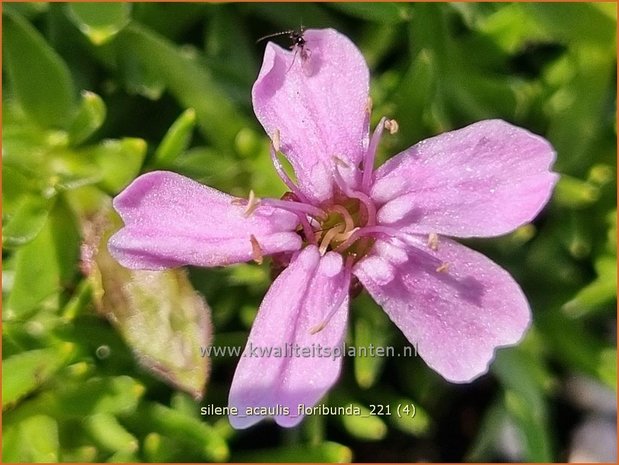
95, 94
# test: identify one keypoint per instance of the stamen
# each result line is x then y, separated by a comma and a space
443, 268
295, 207
256, 250
328, 237
392, 126
340, 162
354, 235
344, 236
350, 224
276, 140
365, 199
410, 239
319, 327
433, 241
370, 155
250, 205
368, 106
307, 230
368, 204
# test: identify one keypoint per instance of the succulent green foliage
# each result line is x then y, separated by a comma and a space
100, 22
40, 80
103, 364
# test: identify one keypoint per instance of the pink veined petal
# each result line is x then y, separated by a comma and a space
317, 98
171, 220
455, 318
483, 180
300, 299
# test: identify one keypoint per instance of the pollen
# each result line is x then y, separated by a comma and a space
276, 140
256, 250
338, 160
392, 126
433, 241
368, 106
443, 268
319, 327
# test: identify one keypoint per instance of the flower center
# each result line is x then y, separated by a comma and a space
338, 230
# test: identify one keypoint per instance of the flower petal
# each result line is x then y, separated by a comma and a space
300, 299
171, 220
483, 180
456, 317
317, 99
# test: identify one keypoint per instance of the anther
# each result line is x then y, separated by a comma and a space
252, 204
368, 106
256, 250
392, 126
276, 140
443, 268
319, 327
433, 241
340, 162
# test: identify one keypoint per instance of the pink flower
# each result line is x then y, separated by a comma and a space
344, 221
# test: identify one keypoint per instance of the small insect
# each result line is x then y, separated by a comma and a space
298, 43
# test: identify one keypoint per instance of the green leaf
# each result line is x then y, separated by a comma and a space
598, 294
44, 265
579, 350
159, 315
574, 22
386, 13
83, 454
577, 119
365, 426
525, 402
415, 92
110, 434
33, 440
190, 83
176, 140
198, 434
326, 452
465, 91
27, 371
512, 28
119, 161
28, 10
89, 118
39, 78
488, 435
370, 328
230, 48
117, 395
574, 193
100, 22
23, 225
